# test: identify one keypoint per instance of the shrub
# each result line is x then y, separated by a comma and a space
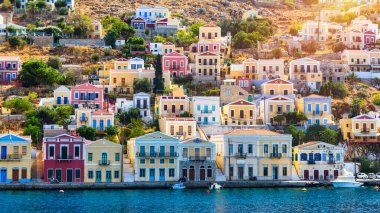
376, 99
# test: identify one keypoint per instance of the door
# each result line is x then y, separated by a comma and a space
3, 152
275, 149
202, 173
275, 173
316, 174
240, 173
108, 176
8, 77
69, 175
98, 176
15, 175
326, 174
64, 153
191, 173
205, 120
65, 100
104, 158
240, 149
173, 108
58, 100
306, 174
152, 175
336, 173
184, 173
317, 121
101, 125
3, 175
58, 175
162, 174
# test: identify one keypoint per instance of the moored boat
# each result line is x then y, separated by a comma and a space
178, 186
347, 180
215, 186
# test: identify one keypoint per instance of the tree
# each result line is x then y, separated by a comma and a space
45, 115
352, 78
357, 107
241, 41
376, 99
298, 136
185, 39
54, 62
321, 133
18, 105
136, 128
6, 5
194, 28
335, 89
276, 53
87, 132
81, 24
279, 119
159, 39
60, 3
15, 41
142, 85
62, 114
293, 31
41, 5
95, 57
67, 79
338, 47
36, 72
31, 7
126, 117
110, 38
295, 117
158, 80
309, 46
111, 131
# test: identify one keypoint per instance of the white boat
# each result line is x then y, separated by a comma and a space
347, 180
178, 186
215, 186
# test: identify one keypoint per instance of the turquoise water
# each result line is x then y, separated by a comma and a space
229, 200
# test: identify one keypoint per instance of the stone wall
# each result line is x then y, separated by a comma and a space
43, 41
82, 42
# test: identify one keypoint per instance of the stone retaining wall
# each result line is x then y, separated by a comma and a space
82, 42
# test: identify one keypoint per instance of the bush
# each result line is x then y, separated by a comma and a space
95, 57
54, 62
376, 99
15, 41
338, 47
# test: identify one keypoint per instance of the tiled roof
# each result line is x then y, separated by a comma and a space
209, 25
86, 86
207, 53
10, 58
363, 117
306, 144
252, 132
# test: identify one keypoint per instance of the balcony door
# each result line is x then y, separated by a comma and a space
98, 176
240, 173
15, 175
197, 152
162, 174
69, 175
58, 174
152, 175
3, 152
104, 158
240, 148
3, 175
64, 152
108, 176
275, 149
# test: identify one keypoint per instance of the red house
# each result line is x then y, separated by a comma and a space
209, 46
245, 83
9, 68
138, 23
87, 94
64, 158
176, 63
369, 38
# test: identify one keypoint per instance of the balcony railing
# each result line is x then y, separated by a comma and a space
206, 111
65, 157
83, 119
104, 162
180, 133
318, 113
331, 161
11, 157
312, 161
167, 154
198, 158
146, 154
156, 154
241, 155
275, 155
364, 130
142, 106
174, 67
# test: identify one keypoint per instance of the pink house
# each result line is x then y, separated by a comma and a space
245, 83
207, 46
176, 63
87, 94
9, 68
369, 38
138, 23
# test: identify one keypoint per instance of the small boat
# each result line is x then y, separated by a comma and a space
347, 180
215, 186
178, 186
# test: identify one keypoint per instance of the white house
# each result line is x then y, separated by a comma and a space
142, 101
123, 105
206, 109
156, 48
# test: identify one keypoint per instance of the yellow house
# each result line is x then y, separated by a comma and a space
207, 67
62, 96
362, 128
273, 106
15, 159
169, 106
99, 119
262, 69
318, 109
209, 32
277, 87
318, 160
254, 154
103, 161
197, 160
168, 47
239, 112
307, 70
96, 30
155, 157
179, 127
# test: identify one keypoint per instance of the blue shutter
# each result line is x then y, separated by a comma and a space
108, 122
309, 107
94, 124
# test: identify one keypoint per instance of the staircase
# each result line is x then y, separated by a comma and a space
295, 175
128, 172
219, 176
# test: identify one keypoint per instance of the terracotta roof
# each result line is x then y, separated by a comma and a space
315, 96
369, 32
306, 144
209, 25
180, 119
101, 112
363, 117
86, 86
121, 59
168, 43
252, 132
278, 81
279, 98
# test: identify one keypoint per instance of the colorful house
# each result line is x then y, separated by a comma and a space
181, 127
103, 161
63, 158
206, 109
15, 159
209, 32
318, 160
207, 67
10, 67
327, 31
142, 101
277, 87
306, 70
262, 69
275, 106
167, 48
87, 95
239, 112
99, 119
169, 106
230, 92
361, 129
62, 96
254, 154
176, 64
155, 157
244, 83
197, 160
318, 109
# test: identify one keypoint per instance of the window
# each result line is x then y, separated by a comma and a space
77, 173
76, 95
284, 148
325, 107
51, 151
271, 108
199, 107
265, 170
171, 172
250, 171
23, 150
231, 148
309, 107
250, 148
189, 130
338, 157
303, 157
231, 172
357, 126
284, 171
266, 149
162, 161
117, 156
142, 172
90, 174
142, 161
24, 173
171, 161
116, 174
151, 161
89, 156
76, 152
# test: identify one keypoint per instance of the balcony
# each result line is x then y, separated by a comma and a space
65, 157
311, 161
11, 157
331, 161
180, 133
364, 130
317, 113
174, 67
142, 106
206, 111
168, 154
198, 158
275, 155
83, 119
147, 154
241, 155
104, 162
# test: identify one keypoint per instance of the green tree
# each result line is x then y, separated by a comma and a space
35, 133
95, 57
142, 85
159, 39
335, 89
276, 53
110, 38
194, 28
136, 128
352, 78
67, 79
158, 80
321, 133
31, 8
185, 39
18, 105
60, 3
81, 24
15, 41
41, 5
62, 114
241, 41
36, 72
54, 62
358, 107
45, 115
376, 99
295, 117
111, 131
298, 136
126, 117
6, 5
87, 132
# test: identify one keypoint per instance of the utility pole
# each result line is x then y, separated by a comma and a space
229, 159
319, 22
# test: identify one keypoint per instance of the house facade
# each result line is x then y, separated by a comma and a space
318, 109
99, 119
239, 112
63, 158
62, 96
206, 109
181, 127
207, 67
87, 95
169, 106
10, 67
15, 159
142, 102
306, 70
275, 106
362, 128
175, 63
